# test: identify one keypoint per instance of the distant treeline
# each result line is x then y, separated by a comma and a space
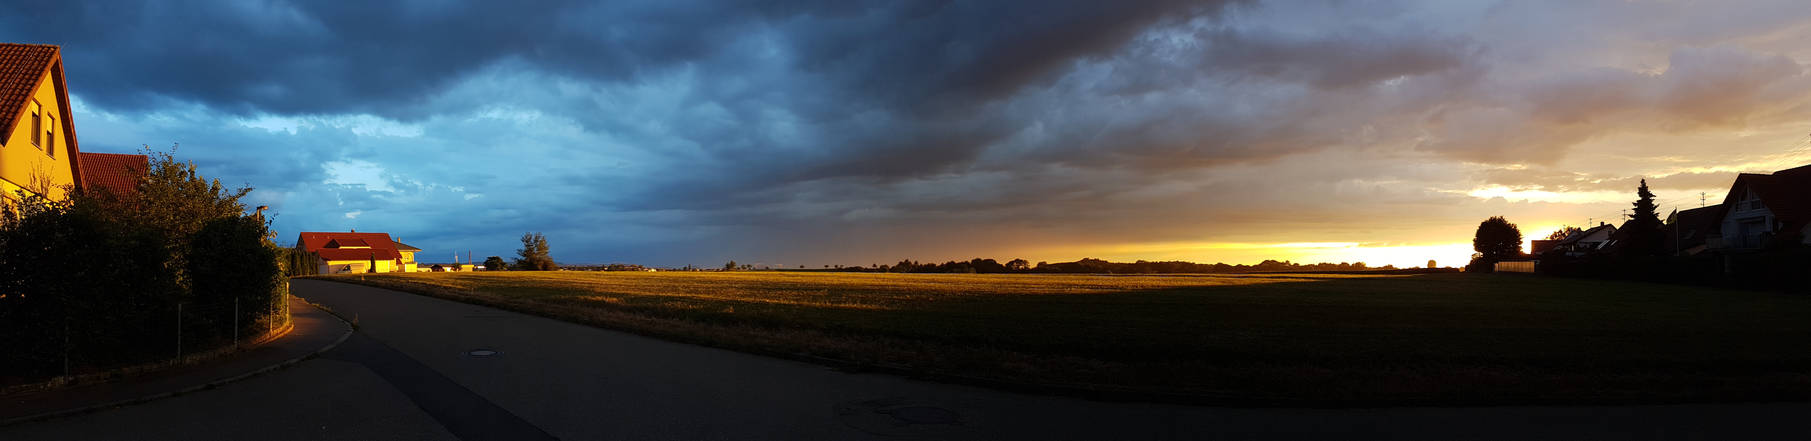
1098, 266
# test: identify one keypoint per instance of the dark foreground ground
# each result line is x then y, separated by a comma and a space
1272, 339
407, 374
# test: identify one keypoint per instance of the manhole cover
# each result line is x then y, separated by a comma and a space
483, 353
898, 416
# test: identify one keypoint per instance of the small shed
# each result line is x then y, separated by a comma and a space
1517, 266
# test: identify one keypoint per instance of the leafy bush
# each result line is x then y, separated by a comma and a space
96, 281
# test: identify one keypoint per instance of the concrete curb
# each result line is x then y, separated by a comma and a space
191, 389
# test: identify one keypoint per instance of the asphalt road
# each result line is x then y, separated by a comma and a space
410, 373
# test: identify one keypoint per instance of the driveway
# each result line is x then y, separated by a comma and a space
426, 368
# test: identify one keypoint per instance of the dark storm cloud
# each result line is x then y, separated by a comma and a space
1352, 58
387, 57
691, 128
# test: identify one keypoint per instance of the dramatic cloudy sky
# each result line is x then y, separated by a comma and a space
676, 132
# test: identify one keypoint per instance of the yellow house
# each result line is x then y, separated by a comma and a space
354, 252
407, 262
39, 153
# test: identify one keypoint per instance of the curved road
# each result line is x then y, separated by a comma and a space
409, 373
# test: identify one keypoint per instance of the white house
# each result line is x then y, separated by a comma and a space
1761, 207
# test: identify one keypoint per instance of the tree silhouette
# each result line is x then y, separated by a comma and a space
1018, 265
730, 266
1643, 230
1496, 239
495, 263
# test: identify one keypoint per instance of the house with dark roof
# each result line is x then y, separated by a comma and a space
447, 267
39, 153
1583, 242
1762, 208
355, 252
1689, 232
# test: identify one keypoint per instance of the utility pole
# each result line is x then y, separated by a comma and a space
1701, 199
1675, 233
178, 330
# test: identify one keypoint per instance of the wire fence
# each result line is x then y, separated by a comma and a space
89, 341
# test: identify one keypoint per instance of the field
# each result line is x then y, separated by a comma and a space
1235, 339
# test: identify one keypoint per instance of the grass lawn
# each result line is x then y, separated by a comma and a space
1246, 339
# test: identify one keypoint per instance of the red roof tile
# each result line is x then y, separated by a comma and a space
382, 248
21, 66
113, 172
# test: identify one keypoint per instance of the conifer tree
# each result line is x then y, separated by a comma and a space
1643, 230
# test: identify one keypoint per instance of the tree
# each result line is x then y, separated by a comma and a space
1563, 233
175, 199
986, 266
730, 266
1496, 240
495, 263
534, 254
1018, 265
1643, 230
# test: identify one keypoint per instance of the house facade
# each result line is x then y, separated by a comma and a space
354, 252
38, 154
1762, 208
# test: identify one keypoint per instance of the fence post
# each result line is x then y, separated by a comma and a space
178, 331
65, 344
235, 323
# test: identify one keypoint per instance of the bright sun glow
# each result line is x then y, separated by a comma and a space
1401, 255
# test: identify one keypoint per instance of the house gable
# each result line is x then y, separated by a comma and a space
31, 83
1762, 206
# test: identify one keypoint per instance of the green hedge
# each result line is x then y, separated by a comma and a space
95, 282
